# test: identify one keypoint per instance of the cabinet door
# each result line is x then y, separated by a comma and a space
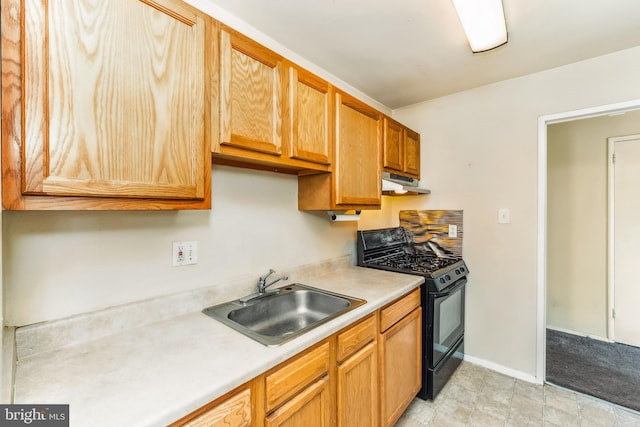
401, 365
358, 143
310, 107
358, 390
114, 99
393, 152
412, 153
232, 412
309, 408
251, 95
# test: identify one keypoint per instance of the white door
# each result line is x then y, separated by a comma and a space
626, 223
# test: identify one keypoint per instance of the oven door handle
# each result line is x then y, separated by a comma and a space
457, 285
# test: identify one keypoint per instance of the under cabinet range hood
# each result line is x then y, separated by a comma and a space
399, 185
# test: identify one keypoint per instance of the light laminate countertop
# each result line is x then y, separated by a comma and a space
155, 374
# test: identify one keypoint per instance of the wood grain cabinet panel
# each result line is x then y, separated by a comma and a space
234, 411
356, 337
310, 408
358, 144
355, 181
251, 95
114, 97
401, 149
395, 311
393, 153
412, 153
289, 379
357, 395
401, 364
310, 115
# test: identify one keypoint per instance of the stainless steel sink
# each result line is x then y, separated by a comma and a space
282, 315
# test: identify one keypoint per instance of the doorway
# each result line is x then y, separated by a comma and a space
590, 201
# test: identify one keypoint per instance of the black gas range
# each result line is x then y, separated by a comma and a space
443, 296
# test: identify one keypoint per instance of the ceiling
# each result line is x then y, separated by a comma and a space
406, 51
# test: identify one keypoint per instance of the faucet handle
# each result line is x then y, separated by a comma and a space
264, 278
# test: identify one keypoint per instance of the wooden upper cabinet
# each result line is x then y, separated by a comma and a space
358, 144
412, 153
355, 181
310, 114
113, 97
251, 95
401, 151
393, 153
272, 113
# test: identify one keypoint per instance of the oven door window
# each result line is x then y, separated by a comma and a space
448, 321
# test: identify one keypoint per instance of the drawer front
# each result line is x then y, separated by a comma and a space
235, 412
397, 310
294, 376
356, 337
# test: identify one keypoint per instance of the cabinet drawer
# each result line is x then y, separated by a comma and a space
356, 337
397, 310
291, 378
232, 412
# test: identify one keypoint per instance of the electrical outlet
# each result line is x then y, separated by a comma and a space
185, 253
453, 230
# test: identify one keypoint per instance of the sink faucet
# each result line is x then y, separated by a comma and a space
262, 281
262, 286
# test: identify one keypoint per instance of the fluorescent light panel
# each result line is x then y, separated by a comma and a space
483, 23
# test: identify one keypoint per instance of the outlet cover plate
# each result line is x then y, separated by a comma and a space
184, 253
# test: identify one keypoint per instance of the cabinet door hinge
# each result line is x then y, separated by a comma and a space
613, 313
613, 158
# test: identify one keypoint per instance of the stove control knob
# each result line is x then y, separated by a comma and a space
442, 280
447, 277
457, 271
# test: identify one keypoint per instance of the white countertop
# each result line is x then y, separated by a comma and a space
155, 374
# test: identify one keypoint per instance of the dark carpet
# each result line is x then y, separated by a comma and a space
609, 371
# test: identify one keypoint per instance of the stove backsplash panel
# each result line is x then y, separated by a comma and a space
431, 229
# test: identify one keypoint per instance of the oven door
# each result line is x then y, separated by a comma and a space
448, 320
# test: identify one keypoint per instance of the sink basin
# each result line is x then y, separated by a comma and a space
288, 312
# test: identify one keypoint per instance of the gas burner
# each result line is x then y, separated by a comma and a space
392, 249
412, 262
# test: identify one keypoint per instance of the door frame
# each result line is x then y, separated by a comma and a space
610, 231
541, 270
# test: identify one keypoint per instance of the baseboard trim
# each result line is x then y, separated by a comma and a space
580, 334
503, 369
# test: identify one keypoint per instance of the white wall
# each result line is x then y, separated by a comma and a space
479, 153
577, 221
58, 264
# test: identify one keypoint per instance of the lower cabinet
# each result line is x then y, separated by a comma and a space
400, 366
303, 375
358, 389
363, 376
309, 408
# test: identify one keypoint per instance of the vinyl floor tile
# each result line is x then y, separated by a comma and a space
478, 397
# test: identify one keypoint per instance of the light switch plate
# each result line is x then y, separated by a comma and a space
504, 216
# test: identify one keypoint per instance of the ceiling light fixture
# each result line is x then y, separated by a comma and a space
483, 23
